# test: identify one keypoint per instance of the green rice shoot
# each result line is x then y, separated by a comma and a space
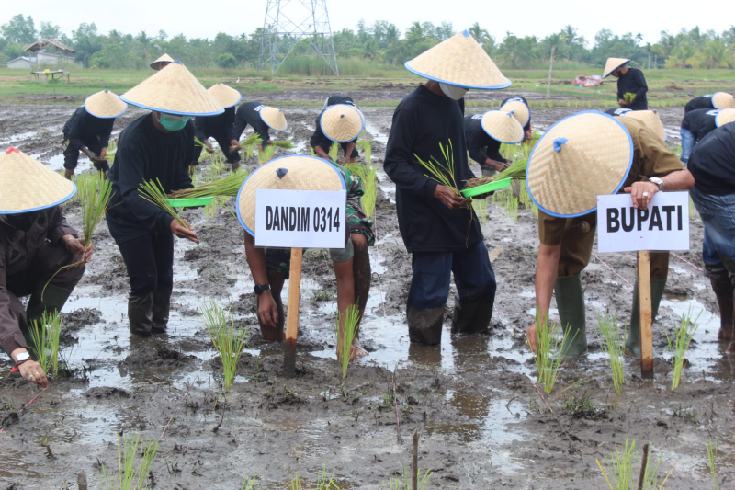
622, 463
229, 341
679, 345
629, 97
551, 343
133, 466
368, 175
282, 145
614, 348
404, 482
712, 463
212, 209
507, 200
45, 335
93, 192
251, 145
365, 147
226, 186
152, 191
480, 207
334, 151
265, 155
442, 172
346, 330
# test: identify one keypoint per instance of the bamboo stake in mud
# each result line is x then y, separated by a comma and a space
644, 465
292, 320
644, 304
415, 462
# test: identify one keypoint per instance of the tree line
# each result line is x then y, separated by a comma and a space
382, 43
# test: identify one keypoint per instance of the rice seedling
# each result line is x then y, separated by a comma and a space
629, 97
93, 192
248, 484
346, 330
613, 348
226, 186
480, 207
265, 155
365, 147
368, 176
216, 166
132, 469
282, 145
443, 173
211, 210
228, 341
679, 345
551, 343
152, 191
111, 150
334, 152
712, 463
506, 200
622, 463
404, 482
46, 339
250, 145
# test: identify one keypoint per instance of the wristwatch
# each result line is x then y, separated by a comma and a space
261, 288
21, 358
658, 181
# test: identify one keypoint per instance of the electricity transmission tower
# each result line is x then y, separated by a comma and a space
287, 22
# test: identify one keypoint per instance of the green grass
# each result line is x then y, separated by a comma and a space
551, 342
622, 463
614, 348
712, 463
93, 192
134, 462
46, 340
346, 330
679, 345
228, 341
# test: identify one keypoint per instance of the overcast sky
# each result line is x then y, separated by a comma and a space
521, 17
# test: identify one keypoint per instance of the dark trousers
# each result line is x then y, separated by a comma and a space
150, 260
473, 275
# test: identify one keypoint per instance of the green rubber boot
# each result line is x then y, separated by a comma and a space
570, 302
633, 343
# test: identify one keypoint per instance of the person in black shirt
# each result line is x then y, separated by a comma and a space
632, 87
695, 126
719, 100
89, 130
219, 127
154, 147
261, 118
484, 140
523, 116
713, 165
438, 226
322, 143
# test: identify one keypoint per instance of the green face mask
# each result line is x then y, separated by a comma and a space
173, 123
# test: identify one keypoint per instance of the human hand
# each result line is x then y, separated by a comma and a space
208, 147
267, 310
183, 231
531, 336
235, 145
76, 247
641, 193
30, 370
622, 103
448, 197
103, 154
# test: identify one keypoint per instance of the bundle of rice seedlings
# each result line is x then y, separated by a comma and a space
480, 207
46, 339
442, 172
152, 191
216, 166
111, 150
629, 97
133, 466
622, 462
368, 175
265, 155
250, 145
93, 192
226, 186
334, 152
365, 147
228, 341
347, 324
282, 145
551, 343
614, 348
712, 463
679, 345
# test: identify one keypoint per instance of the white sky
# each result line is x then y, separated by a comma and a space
521, 17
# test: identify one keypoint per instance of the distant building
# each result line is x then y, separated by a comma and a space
22, 63
44, 52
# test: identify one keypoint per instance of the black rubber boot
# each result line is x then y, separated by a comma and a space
425, 326
472, 317
161, 307
140, 314
633, 343
570, 302
53, 300
719, 278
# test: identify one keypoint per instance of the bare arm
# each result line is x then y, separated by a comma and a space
255, 257
547, 270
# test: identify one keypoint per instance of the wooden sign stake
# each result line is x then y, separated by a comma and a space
644, 304
294, 303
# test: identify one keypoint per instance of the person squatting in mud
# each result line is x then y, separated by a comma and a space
154, 146
485, 133
341, 122
438, 227
270, 266
218, 127
259, 117
630, 157
40, 255
88, 130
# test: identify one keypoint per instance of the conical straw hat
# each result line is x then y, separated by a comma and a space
579, 158
724, 116
502, 126
723, 100
520, 110
104, 105
342, 122
274, 118
650, 119
460, 61
161, 61
225, 95
298, 172
27, 185
613, 63
173, 90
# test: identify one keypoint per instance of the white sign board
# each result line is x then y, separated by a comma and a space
293, 218
623, 228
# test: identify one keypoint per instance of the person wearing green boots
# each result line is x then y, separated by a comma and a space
579, 158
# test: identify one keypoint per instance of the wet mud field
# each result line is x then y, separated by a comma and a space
481, 418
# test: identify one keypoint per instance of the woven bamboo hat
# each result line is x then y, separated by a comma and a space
162, 61
459, 61
274, 118
225, 95
502, 126
723, 100
519, 108
295, 172
28, 185
104, 105
613, 63
650, 119
342, 122
579, 158
725, 116
173, 90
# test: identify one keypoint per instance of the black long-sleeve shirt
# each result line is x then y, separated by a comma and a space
420, 122
218, 127
701, 102
93, 132
713, 162
145, 153
634, 82
479, 144
520, 98
249, 113
700, 122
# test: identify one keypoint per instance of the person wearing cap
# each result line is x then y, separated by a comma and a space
632, 158
485, 133
718, 100
522, 112
632, 88
219, 127
154, 147
37, 250
89, 130
338, 114
713, 165
438, 226
261, 118
162, 61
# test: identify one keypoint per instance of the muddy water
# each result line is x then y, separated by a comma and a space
483, 423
